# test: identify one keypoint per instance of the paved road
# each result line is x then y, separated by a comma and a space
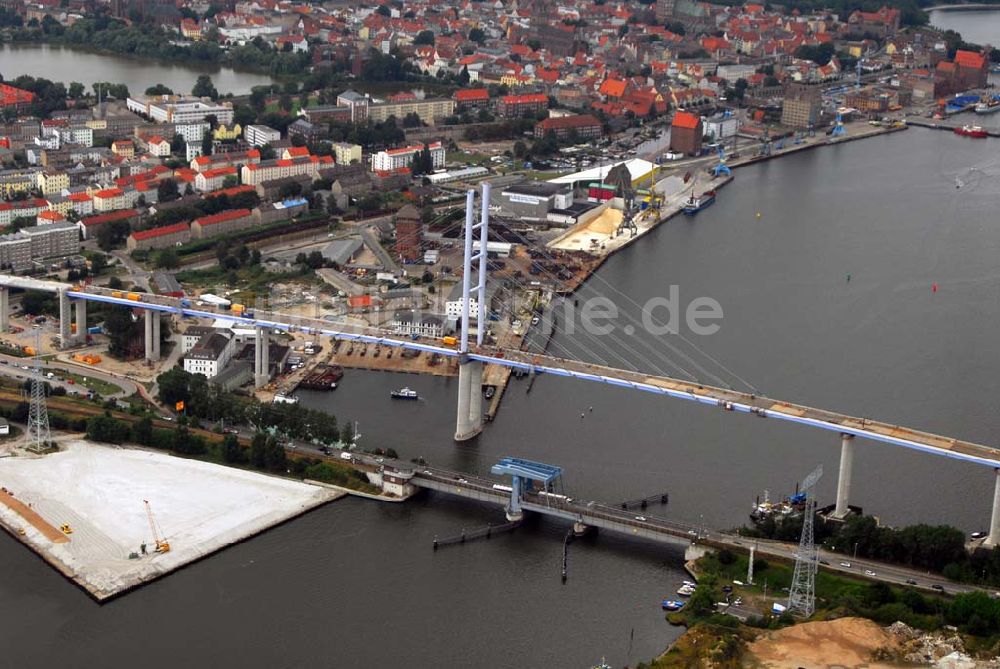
136, 274
13, 367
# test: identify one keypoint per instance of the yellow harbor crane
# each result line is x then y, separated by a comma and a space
162, 545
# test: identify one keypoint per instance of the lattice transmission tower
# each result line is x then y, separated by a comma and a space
802, 595
39, 438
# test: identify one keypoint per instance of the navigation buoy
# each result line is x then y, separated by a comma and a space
934, 287
848, 277
758, 214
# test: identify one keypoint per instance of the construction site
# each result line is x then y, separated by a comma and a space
111, 519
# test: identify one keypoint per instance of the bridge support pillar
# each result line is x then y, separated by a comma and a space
465, 429
844, 481
580, 529
152, 324
994, 537
261, 369
65, 318
80, 309
476, 396
4, 309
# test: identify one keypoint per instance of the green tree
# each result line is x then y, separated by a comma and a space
166, 190
257, 450
206, 147
142, 432
347, 433
232, 452
160, 89
204, 88
76, 90
168, 259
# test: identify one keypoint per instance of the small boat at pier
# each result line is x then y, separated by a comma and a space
696, 204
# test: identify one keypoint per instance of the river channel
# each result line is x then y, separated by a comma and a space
357, 584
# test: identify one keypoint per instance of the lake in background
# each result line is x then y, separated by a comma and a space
59, 63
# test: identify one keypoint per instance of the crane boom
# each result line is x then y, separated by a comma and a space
162, 545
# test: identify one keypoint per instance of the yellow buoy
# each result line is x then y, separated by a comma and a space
758, 214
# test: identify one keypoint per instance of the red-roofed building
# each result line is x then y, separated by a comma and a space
685, 133
614, 89
294, 152
157, 146
231, 192
214, 179
584, 126
882, 23
15, 98
159, 238
472, 98
232, 220
516, 106
968, 70
91, 224
49, 216
109, 199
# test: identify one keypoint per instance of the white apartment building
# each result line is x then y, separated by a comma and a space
180, 110
260, 135
393, 159
210, 355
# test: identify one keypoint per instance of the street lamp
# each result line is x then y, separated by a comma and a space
855, 550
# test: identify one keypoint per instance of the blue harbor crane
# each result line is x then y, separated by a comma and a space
839, 130
722, 168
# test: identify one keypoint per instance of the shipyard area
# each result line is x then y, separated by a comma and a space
111, 519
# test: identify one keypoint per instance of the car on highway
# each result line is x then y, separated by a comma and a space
231, 430
641, 518
910, 581
845, 564
824, 562
869, 572
938, 586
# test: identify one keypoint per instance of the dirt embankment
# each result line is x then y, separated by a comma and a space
847, 643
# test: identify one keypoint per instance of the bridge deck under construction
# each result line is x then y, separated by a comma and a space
739, 402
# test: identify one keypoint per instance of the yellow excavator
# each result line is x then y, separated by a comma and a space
162, 545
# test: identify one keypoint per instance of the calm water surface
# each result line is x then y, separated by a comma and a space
356, 583
64, 64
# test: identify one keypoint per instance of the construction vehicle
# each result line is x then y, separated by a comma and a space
65, 528
135, 297
162, 545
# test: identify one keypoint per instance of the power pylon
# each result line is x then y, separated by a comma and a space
39, 438
802, 595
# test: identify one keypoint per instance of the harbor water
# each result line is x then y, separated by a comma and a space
357, 584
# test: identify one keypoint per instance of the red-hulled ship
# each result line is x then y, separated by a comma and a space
971, 131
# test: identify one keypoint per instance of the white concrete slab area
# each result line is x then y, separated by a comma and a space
99, 491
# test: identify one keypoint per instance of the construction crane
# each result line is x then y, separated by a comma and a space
162, 545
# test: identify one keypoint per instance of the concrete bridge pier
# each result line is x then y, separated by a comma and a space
476, 396
464, 429
4, 309
994, 536
152, 323
470, 400
262, 363
65, 318
844, 481
580, 528
80, 309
